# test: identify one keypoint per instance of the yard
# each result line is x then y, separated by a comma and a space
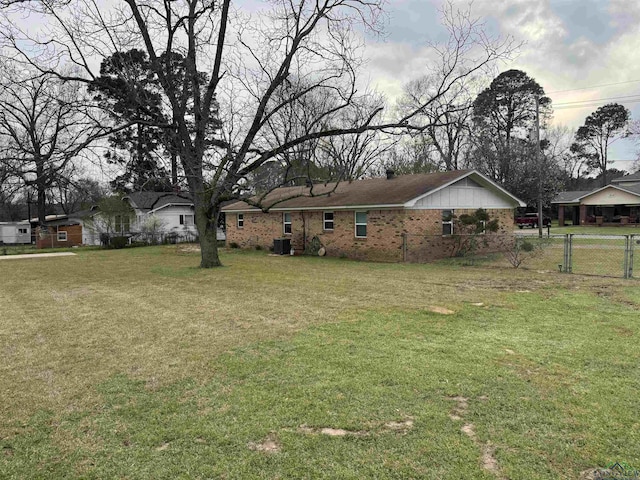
135, 364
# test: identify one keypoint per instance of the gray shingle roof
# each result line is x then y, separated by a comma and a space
575, 196
627, 178
630, 188
153, 200
570, 197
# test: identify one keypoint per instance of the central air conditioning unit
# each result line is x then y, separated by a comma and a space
281, 246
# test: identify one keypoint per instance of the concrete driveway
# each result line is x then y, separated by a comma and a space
37, 255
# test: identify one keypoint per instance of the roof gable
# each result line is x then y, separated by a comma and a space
617, 194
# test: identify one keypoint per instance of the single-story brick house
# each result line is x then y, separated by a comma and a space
372, 218
615, 204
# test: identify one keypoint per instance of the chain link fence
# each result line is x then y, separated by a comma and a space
601, 255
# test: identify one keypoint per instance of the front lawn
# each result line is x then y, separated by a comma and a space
135, 364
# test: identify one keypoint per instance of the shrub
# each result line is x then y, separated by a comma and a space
522, 249
258, 247
314, 246
104, 240
234, 245
118, 242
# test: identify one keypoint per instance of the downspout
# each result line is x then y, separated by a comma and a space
304, 233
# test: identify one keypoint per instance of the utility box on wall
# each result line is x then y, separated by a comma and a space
281, 246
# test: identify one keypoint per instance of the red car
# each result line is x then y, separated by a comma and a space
531, 220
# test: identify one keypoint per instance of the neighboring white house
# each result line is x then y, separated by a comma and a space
164, 214
161, 214
15, 232
155, 217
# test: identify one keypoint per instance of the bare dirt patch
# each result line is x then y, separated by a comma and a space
331, 432
441, 310
462, 403
397, 426
268, 445
401, 427
588, 474
623, 331
468, 430
188, 248
487, 458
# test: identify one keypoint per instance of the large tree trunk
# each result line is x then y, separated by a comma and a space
42, 191
174, 168
206, 222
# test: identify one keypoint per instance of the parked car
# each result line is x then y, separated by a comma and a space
531, 220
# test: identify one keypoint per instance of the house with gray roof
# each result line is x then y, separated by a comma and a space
374, 219
160, 215
615, 204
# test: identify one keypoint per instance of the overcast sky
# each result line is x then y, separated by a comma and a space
575, 49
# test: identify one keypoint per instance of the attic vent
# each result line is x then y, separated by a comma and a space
390, 174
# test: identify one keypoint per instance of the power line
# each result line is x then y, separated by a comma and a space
594, 86
636, 96
591, 103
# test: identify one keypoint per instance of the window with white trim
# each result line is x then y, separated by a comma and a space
327, 221
240, 220
447, 222
186, 220
286, 223
22, 231
122, 223
361, 224
62, 236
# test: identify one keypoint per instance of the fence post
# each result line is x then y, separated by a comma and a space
625, 266
568, 249
630, 255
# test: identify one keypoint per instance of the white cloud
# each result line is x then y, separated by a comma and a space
558, 54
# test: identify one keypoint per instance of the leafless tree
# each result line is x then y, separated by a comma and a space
446, 123
442, 119
45, 124
73, 193
353, 156
311, 44
634, 133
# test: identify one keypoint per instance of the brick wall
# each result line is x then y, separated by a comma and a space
50, 239
385, 229
432, 245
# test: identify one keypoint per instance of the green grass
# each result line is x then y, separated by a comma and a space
595, 230
135, 364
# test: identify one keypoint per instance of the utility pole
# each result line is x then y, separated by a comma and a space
539, 160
